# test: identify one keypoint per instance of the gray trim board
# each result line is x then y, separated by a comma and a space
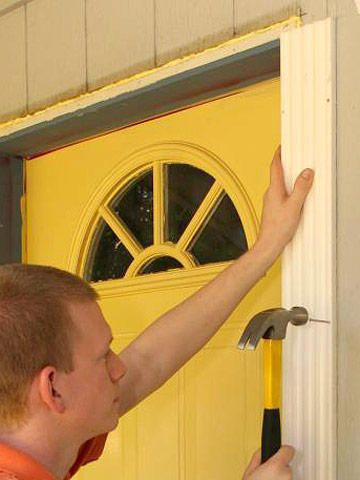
179, 91
11, 189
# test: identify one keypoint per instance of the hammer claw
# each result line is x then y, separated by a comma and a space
254, 331
246, 338
243, 340
255, 339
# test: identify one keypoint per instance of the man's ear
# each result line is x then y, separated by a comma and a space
50, 390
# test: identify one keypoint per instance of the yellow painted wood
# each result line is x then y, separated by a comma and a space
206, 421
207, 205
159, 204
272, 373
155, 251
121, 230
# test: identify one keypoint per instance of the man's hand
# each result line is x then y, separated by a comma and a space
276, 468
281, 211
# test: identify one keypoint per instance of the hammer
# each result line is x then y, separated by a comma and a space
271, 325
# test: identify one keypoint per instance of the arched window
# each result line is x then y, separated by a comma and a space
170, 216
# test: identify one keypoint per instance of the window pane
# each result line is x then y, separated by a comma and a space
161, 265
223, 238
134, 206
110, 259
187, 187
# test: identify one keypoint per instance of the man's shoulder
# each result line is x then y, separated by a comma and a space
4, 475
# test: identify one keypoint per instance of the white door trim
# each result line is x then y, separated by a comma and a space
308, 104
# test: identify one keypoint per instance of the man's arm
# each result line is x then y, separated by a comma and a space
155, 355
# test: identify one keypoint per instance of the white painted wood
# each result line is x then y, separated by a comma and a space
56, 50
308, 279
184, 26
13, 62
120, 39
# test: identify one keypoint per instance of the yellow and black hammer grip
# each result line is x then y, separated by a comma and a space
271, 427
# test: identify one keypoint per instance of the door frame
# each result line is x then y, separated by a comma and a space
306, 57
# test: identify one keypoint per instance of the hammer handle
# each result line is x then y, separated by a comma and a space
271, 433
271, 429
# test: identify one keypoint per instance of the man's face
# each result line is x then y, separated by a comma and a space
92, 388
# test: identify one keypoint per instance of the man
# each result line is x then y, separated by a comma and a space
61, 386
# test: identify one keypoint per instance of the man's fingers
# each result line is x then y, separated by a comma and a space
277, 463
277, 182
254, 463
283, 456
302, 186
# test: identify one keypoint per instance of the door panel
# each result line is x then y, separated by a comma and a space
205, 422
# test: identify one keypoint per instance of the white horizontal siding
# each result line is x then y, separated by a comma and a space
56, 51
74, 46
120, 39
185, 26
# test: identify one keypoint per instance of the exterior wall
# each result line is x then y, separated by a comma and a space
53, 50
348, 241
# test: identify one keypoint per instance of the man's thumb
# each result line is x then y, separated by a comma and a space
302, 186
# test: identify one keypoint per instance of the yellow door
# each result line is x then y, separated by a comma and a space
149, 214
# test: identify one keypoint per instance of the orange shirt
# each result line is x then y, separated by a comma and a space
16, 465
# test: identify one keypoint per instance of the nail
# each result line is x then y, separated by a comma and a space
307, 174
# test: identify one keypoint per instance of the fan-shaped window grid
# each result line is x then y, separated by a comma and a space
172, 216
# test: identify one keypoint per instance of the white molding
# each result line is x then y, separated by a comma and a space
308, 139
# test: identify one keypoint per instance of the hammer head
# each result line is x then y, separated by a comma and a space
271, 324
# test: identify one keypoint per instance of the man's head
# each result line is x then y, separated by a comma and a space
52, 358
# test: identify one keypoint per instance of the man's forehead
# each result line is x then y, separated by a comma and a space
89, 319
